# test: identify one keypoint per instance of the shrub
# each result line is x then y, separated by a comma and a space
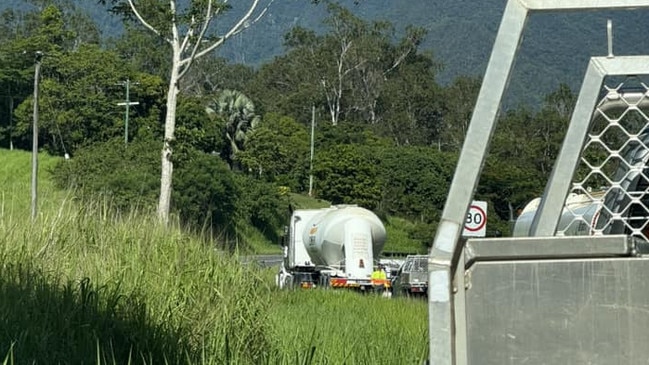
262, 205
205, 194
129, 175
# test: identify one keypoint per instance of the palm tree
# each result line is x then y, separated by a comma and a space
238, 112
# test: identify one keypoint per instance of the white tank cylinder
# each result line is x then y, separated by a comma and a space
326, 234
579, 216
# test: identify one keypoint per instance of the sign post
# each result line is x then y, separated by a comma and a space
475, 224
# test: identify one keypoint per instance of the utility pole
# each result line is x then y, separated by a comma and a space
11, 118
11, 122
311, 159
127, 103
37, 75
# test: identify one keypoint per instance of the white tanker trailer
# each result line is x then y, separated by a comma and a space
332, 247
620, 209
578, 218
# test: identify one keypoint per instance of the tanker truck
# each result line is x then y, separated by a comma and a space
620, 208
332, 247
579, 216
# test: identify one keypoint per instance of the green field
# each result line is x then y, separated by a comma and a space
15, 183
83, 285
341, 327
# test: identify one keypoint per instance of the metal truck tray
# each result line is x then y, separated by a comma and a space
485, 249
568, 300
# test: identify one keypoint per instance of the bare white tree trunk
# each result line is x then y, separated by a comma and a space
334, 90
170, 126
186, 49
340, 74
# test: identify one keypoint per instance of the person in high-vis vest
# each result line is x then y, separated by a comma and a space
379, 279
379, 273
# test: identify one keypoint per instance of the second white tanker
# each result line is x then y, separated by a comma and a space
622, 208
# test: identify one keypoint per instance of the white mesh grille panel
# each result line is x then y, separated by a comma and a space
611, 183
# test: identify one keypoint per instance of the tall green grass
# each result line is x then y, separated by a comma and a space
83, 284
84, 280
343, 327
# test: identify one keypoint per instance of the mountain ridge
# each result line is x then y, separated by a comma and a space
555, 49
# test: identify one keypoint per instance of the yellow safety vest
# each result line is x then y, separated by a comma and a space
379, 274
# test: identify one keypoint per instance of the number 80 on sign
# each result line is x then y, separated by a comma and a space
475, 224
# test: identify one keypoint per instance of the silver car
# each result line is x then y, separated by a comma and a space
412, 277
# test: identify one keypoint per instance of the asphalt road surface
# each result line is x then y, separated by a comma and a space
276, 260
263, 260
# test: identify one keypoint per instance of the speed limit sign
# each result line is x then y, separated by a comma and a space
475, 224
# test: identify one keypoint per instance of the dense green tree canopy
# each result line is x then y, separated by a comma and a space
278, 151
79, 101
386, 133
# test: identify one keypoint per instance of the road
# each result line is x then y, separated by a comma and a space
263, 260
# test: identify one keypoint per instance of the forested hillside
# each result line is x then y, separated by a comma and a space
386, 129
460, 35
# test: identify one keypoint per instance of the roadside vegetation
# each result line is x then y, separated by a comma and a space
247, 140
96, 279
84, 284
342, 327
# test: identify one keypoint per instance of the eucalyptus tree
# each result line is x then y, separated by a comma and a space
344, 72
191, 33
289, 84
345, 26
331, 60
412, 103
458, 102
350, 59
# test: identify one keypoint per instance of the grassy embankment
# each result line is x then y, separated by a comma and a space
80, 285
